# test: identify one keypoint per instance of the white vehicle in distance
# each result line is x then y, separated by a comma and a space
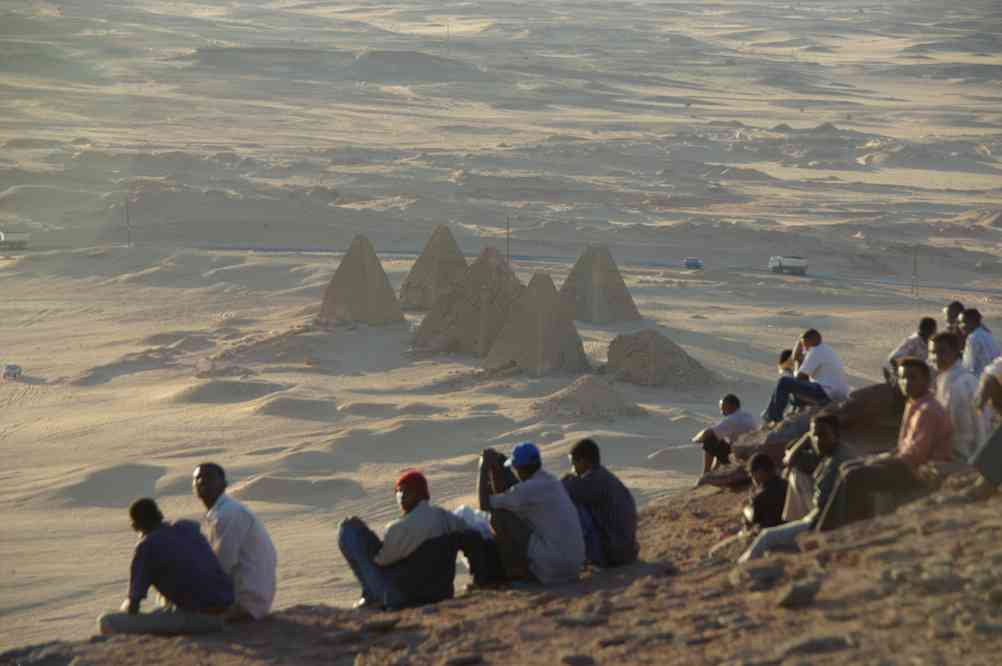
13, 240
791, 265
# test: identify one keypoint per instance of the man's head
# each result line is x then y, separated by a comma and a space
970, 319
824, 433
412, 489
145, 515
585, 456
811, 338
952, 311
927, 328
944, 350
525, 460
914, 377
761, 468
729, 404
208, 482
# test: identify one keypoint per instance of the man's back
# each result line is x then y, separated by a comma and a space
613, 509
556, 548
824, 367
246, 553
980, 349
179, 562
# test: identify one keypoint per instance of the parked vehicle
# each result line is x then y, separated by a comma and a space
792, 265
14, 240
693, 263
10, 372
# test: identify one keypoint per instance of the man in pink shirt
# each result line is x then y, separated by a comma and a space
925, 436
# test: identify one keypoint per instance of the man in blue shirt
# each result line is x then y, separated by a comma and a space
178, 561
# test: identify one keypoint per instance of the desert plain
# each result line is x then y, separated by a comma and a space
189, 173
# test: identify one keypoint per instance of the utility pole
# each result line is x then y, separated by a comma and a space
915, 285
128, 220
508, 237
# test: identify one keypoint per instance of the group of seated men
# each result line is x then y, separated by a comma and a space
545, 530
952, 384
542, 530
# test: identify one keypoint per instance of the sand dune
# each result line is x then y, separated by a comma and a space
316, 492
297, 408
222, 391
115, 486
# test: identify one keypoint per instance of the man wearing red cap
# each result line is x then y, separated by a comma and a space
380, 567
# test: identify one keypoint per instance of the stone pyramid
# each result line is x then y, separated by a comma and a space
468, 318
437, 271
539, 337
595, 292
360, 290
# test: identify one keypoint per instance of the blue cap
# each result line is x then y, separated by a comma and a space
523, 454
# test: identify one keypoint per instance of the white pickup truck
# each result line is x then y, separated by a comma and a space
13, 240
792, 265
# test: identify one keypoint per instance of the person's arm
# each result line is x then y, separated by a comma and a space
809, 367
491, 476
989, 393
139, 579
519, 495
398, 543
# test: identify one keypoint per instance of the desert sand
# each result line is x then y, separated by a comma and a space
253, 141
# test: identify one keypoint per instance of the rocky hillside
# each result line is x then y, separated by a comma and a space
921, 586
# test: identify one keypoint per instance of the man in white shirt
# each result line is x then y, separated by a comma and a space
378, 565
240, 542
718, 438
821, 378
536, 525
955, 390
915, 345
981, 348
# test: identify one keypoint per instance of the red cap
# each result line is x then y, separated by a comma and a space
416, 480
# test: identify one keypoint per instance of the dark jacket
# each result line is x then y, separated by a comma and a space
426, 575
613, 510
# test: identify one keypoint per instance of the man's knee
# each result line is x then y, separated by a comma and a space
109, 623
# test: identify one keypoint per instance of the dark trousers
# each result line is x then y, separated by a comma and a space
594, 552
859, 480
717, 447
511, 533
807, 392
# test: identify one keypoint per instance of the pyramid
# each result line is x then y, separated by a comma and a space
439, 268
589, 397
360, 290
595, 292
650, 359
538, 336
468, 318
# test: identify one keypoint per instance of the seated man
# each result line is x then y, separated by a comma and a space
768, 494
915, 345
536, 526
826, 440
179, 563
820, 378
240, 542
988, 458
607, 509
384, 568
955, 391
980, 346
925, 436
717, 439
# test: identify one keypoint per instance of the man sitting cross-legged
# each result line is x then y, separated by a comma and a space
241, 543
820, 378
926, 436
827, 442
607, 509
536, 527
415, 563
179, 563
